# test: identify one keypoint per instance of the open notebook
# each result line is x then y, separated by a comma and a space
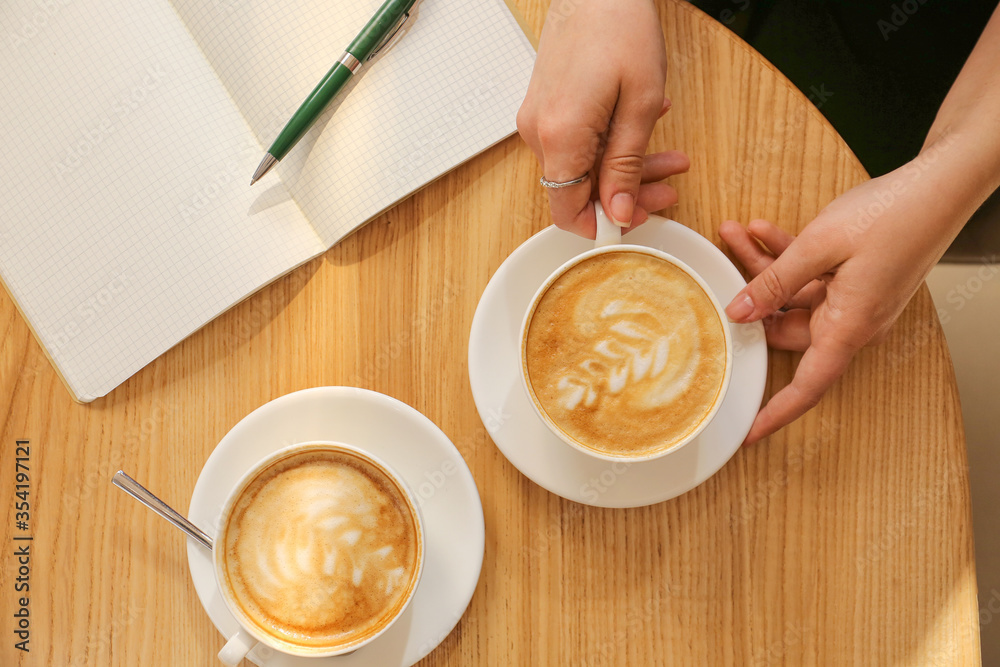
131, 130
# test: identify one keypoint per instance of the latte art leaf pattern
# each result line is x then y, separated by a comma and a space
625, 353
320, 550
325, 541
631, 344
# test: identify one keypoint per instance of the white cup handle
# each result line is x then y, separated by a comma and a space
237, 648
608, 233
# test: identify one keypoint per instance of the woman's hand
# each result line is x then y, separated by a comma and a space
843, 282
852, 270
595, 93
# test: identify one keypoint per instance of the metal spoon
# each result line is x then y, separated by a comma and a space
140, 493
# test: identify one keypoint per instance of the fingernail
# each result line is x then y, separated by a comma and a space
621, 209
740, 308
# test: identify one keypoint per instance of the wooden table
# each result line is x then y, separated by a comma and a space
844, 539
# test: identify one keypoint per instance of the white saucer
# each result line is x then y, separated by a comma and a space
418, 451
504, 407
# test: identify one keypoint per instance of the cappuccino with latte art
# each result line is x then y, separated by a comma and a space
625, 354
321, 550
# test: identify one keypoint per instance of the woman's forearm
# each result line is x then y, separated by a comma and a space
967, 126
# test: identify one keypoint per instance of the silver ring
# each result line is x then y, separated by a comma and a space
565, 184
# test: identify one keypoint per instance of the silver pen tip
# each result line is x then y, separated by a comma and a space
264, 167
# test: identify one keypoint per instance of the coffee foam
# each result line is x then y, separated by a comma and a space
321, 549
625, 353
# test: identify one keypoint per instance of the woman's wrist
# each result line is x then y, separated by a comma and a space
955, 172
975, 143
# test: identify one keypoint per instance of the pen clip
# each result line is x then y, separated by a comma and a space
393, 37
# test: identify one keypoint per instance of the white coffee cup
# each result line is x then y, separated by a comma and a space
609, 239
249, 635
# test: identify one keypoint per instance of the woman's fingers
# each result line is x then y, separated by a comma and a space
596, 91
821, 365
566, 149
746, 249
665, 107
744, 242
656, 196
779, 281
621, 166
775, 238
788, 330
755, 258
658, 166
777, 241
573, 210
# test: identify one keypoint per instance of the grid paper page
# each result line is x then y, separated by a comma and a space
447, 90
127, 223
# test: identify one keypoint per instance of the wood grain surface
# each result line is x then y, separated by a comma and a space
844, 539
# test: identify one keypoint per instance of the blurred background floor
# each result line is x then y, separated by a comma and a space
878, 70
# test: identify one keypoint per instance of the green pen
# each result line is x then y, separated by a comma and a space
377, 34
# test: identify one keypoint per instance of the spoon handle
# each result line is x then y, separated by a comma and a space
140, 493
